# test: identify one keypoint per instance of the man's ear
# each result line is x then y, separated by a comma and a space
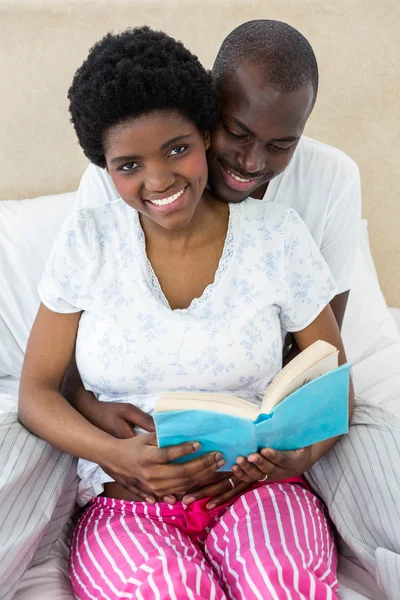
206, 138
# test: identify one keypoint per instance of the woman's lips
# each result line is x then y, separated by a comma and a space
169, 203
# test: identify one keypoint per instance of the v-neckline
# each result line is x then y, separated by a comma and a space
223, 262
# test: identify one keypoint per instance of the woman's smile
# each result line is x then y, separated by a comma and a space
167, 203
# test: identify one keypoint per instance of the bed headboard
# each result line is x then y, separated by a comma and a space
42, 42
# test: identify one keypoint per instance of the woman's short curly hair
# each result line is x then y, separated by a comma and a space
133, 73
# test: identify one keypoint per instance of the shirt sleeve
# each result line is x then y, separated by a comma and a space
341, 233
309, 285
95, 188
66, 280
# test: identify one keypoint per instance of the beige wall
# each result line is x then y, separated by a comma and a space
357, 43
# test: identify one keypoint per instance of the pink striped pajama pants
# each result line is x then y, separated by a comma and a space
273, 542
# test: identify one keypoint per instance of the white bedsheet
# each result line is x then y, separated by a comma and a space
355, 582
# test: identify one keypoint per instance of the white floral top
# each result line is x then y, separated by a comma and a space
131, 346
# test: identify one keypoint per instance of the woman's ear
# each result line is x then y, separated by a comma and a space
206, 138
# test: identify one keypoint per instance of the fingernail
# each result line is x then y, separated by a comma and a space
189, 500
169, 499
241, 461
267, 452
218, 457
253, 458
195, 445
220, 463
150, 500
210, 506
235, 469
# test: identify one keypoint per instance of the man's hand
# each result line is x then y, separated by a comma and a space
220, 492
266, 465
119, 418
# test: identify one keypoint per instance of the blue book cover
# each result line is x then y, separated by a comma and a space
315, 412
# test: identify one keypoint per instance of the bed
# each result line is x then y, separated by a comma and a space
41, 165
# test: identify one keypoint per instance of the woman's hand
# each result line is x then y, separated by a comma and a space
266, 465
140, 461
273, 465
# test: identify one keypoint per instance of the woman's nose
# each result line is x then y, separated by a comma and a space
158, 180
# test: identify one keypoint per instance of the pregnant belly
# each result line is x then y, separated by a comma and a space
115, 490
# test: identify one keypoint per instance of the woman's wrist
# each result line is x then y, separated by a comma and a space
113, 454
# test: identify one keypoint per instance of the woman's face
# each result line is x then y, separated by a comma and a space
158, 165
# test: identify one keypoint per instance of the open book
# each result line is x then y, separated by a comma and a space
307, 402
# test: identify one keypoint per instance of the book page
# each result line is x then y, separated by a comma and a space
222, 403
291, 379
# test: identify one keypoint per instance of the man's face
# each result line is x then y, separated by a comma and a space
256, 134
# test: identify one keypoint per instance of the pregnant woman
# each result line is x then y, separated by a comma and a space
169, 289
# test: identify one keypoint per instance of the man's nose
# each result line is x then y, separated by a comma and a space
251, 159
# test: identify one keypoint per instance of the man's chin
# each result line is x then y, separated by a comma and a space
221, 191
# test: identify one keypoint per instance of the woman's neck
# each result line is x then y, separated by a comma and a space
208, 215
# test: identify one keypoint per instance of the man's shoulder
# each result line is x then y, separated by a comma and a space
325, 158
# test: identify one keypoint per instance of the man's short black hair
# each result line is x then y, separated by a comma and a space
282, 53
133, 73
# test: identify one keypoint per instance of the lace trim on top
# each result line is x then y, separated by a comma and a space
224, 261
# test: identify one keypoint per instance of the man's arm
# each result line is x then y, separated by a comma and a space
118, 419
74, 391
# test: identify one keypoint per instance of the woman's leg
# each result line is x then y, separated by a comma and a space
129, 550
275, 542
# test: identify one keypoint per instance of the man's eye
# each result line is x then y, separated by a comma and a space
130, 166
177, 150
238, 136
279, 148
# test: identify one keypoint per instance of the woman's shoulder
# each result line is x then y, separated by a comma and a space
112, 216
262, 215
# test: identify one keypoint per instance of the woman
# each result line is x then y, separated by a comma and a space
169, 289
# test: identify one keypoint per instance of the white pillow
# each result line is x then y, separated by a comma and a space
370, 335
28, 229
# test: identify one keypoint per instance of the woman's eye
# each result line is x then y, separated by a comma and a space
177, 150
131, 166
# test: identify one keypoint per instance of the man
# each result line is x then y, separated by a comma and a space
267, 77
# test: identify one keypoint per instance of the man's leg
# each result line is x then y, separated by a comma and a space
359, 479
48, 578
34, 505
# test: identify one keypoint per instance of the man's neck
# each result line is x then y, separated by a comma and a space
259, 193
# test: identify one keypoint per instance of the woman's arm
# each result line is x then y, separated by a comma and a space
42, 408
325, 328
281, 465
45, 412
